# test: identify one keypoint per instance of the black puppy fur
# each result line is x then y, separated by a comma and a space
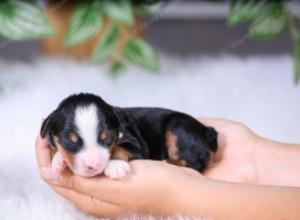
147, 133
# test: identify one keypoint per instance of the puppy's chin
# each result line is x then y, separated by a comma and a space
84, 173
97, 158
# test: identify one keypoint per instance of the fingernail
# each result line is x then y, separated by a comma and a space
48, 174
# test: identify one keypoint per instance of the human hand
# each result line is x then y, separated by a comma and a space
154, 186
150, 188
152, 183
235, 158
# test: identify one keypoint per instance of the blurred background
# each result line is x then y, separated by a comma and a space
199, 57
187, 28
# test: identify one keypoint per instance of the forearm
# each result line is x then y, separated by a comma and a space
277, 163
221, 200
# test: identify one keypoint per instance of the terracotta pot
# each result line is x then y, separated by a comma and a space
59, 13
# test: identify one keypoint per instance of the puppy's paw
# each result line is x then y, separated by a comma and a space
58, 163
116, 169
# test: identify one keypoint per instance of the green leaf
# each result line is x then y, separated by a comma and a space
107, 45
270, 23
141, 53
31, 1
297, 61
295, 33
119, 11
146, 10
20, 20
86, 22
241, 11
116, 68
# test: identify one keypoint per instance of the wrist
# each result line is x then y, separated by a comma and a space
184, 196
277, 163
212, 199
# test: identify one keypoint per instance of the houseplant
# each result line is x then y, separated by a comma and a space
104, 22
108, 31
268, 19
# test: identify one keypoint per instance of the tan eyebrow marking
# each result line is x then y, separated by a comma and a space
73, 137
103, 134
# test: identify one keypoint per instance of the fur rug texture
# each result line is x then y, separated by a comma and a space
258, 91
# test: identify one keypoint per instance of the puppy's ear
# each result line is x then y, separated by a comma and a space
47, 125
211, 137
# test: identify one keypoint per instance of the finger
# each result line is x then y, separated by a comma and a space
100, 187
190, 171
90, 204
217, 123
220, 172
43, 152
216, 173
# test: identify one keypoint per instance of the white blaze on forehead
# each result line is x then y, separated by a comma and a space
86, 120
93, 155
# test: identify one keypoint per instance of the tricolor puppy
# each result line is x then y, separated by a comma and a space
92, 137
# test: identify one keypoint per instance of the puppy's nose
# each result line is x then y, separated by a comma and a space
90, 168
91, 165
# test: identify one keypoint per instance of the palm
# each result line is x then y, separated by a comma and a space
234, 160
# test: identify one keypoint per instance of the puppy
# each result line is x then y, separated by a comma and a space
92, 137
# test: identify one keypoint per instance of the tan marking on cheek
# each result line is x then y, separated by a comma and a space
53, 151
172, 149
67, 156
118, 152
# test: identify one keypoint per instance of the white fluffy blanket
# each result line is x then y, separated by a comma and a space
258, 91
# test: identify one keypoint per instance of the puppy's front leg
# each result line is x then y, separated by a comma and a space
118, 166
116, 169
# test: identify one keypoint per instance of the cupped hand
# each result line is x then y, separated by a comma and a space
145, 190
235, 158
152, 185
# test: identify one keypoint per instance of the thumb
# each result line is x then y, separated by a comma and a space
48, 174
64, 179
98, 186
